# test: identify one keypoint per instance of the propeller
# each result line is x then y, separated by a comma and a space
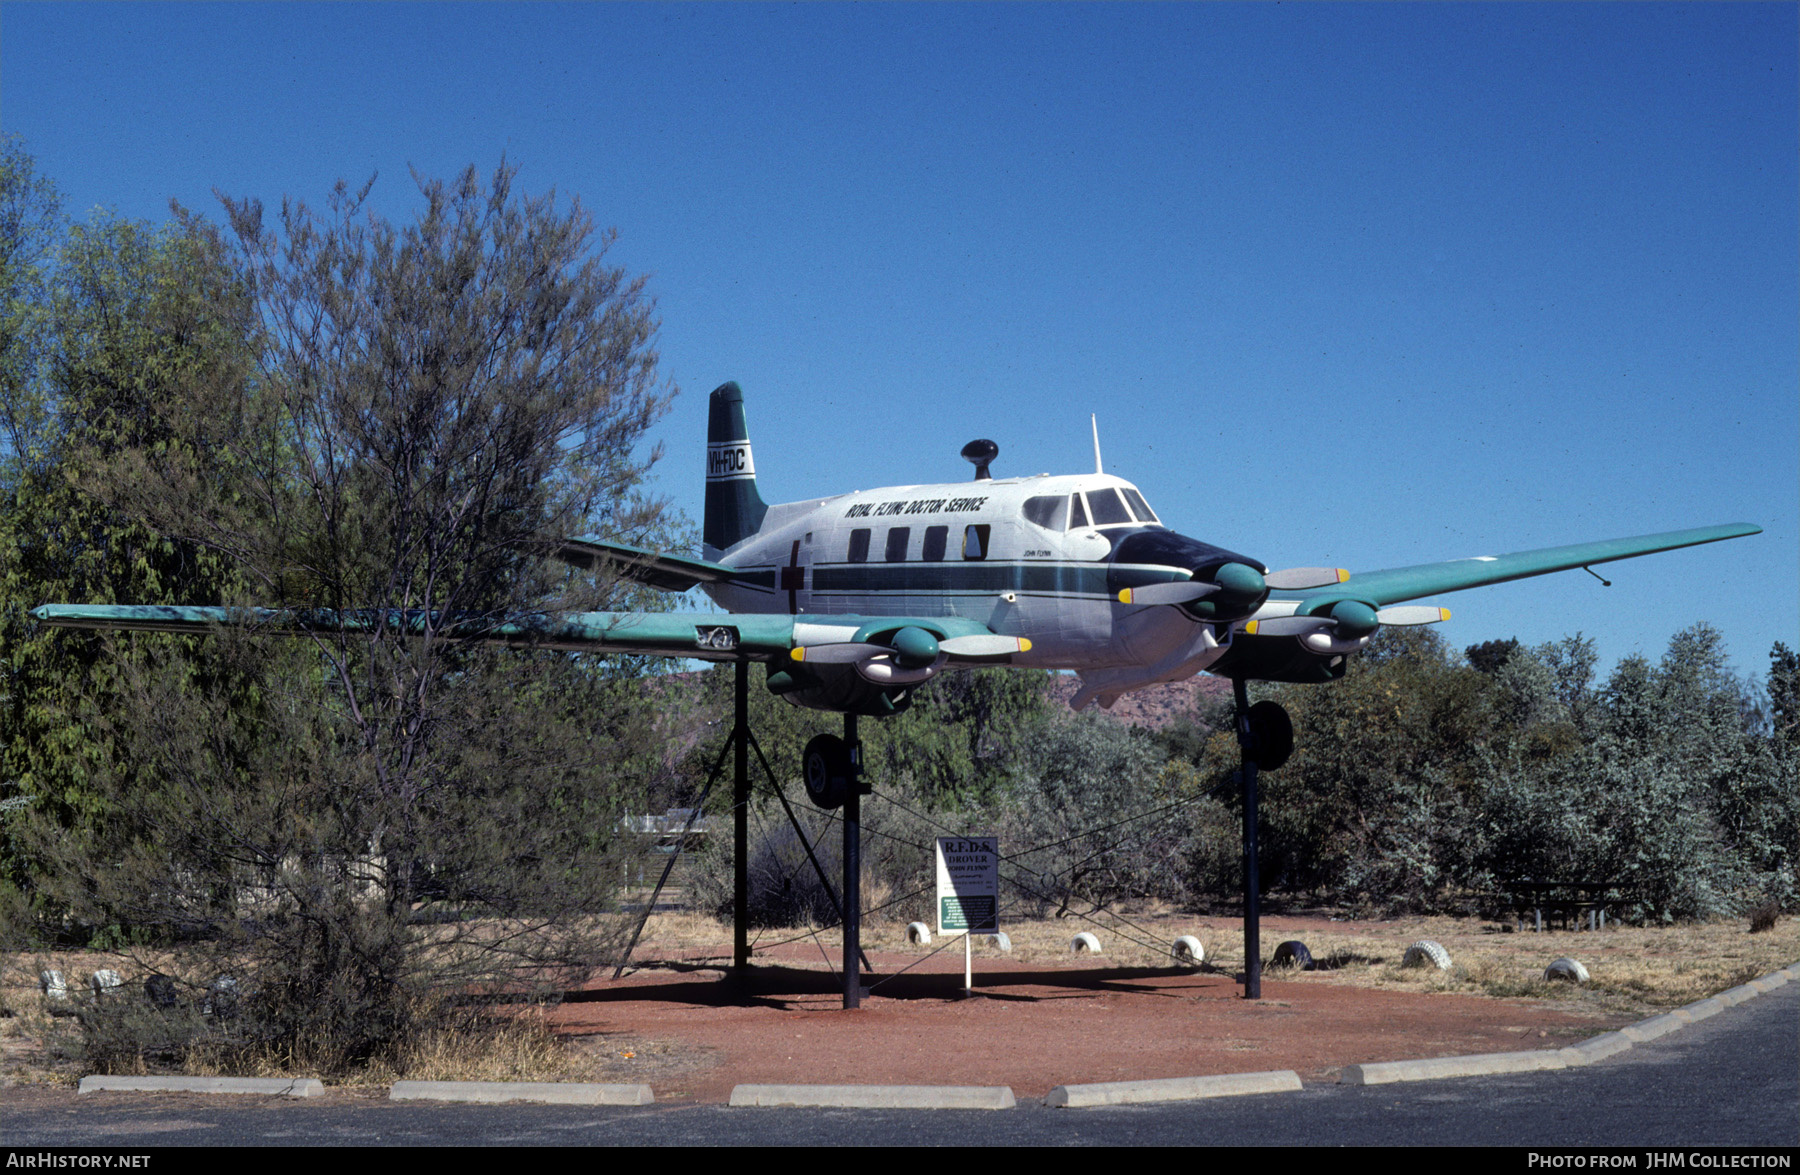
913, 648
1347, 620
1235, 577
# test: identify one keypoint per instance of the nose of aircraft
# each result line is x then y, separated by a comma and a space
1221, 585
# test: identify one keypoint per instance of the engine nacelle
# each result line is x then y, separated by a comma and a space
840, 688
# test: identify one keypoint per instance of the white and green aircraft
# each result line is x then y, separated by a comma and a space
852, 601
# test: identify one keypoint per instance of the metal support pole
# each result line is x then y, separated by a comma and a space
1252, 907
740, 824
853, 870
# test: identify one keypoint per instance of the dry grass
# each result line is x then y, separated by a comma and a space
1632, 969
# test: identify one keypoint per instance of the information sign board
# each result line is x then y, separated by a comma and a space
968, 885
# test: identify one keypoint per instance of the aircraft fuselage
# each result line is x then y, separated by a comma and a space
1039, 557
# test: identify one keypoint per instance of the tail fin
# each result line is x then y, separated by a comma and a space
734, 510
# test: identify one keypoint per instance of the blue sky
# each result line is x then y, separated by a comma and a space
1364, 285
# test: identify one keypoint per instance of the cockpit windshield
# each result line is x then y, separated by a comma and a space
1107, 507
1102, 506
1140, 507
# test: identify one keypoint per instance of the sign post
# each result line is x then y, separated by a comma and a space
968, 892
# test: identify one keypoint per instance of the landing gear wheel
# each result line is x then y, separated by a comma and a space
1271, 735
828, 772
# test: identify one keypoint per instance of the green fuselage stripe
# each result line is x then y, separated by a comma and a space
1065, 579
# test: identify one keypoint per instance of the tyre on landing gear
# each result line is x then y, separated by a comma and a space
1271, 735
829, 773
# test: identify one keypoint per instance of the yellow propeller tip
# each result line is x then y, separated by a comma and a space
1125, 596
1250, 627
1024, 645
798, 654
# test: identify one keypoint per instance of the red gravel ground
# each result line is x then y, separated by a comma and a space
692, 1035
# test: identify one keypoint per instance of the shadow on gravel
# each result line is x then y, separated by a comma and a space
703, 985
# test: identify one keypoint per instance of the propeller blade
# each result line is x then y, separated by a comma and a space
847, 653
1299, 579
1350, 619
1179, 592
909, 647
984, 645
1289, 625
1410, 614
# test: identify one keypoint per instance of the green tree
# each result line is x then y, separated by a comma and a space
430, 408
30, 229
1670, 791
112, 316
1783, 688
1095, 816
1379, 797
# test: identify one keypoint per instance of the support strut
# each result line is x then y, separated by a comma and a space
853, 991
1252, 910
740, 823
740, 743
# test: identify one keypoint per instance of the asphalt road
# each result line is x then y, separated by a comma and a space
1732, 1080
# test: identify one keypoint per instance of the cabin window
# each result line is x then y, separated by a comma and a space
936, 539
1108, 508
859, 545
975, 540
1077, 512
1140, 507
897, 538
1048, 511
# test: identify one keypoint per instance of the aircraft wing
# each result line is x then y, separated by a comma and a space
1381, 588
710, 636
669, 573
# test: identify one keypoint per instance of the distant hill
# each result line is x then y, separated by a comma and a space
1152, 708
1157, 706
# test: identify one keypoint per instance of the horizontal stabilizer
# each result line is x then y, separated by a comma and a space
668, 573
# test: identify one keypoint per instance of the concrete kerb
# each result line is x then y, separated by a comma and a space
1655, 1026
1701, 1009
1597, 1048
266, 1086
1173, 1089
877, 1097
1480, 1065
558, 1093
1731, 997
1586, 1053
